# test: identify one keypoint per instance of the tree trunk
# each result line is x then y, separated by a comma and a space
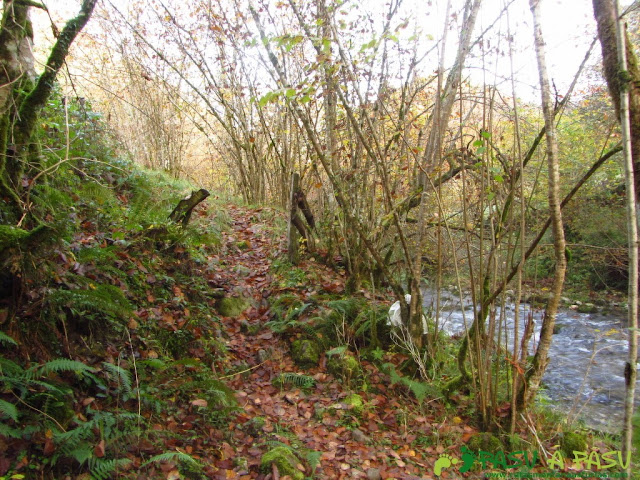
20, 100
605, 15
17, 74
630, 372
182, 212
534, 374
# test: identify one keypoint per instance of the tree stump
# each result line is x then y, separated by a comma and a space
296, 227
182, 212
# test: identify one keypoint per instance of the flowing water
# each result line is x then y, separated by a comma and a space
585, 375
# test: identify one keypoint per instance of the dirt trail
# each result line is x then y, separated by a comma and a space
378, 443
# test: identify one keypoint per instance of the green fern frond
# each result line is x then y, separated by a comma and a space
9, 410
346, 307
60, 365
172, 457
421, 390
338, 350
313, 459
123, 376
4, 338
9, 432
105, 299
155, 363
10, 368
297, 379
103, 469
82, 453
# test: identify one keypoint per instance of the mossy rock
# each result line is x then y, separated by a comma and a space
485, 442
571, 442
587, 308
11, 237
243, 245
285, 460
231, 306
345, 366
355, 403
305, 353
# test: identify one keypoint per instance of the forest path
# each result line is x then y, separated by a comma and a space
314, 421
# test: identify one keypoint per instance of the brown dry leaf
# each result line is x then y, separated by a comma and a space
98, 451
49, 447
173, 475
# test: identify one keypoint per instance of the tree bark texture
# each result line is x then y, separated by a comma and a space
182, 212
630, 372
605, 15
21, 100
540, 360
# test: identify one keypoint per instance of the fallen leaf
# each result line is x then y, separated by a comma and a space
98, 451
199, 402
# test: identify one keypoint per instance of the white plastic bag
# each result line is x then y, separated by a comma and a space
395, 319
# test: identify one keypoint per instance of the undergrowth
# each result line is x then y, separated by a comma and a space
112, 318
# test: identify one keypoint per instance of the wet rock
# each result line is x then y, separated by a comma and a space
231, 306
263, 355
373, 474
359, 436
587, 308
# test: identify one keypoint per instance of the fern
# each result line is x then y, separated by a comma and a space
420, 390
9, 410
346, 307
172, 457
103, 469
10, 432
123, 376
60, 365
105, 299
313, 459
296, 379
4, 338
338, 350
10, 368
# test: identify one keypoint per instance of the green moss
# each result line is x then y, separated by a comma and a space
232, 306
243, 245
305, 353
355, 402
571, 442
285, 460
485, 442
345, 366
11, 236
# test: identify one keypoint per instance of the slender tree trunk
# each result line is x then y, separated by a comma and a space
534, 375
630, 373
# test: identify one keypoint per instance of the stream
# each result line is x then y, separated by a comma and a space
585, 375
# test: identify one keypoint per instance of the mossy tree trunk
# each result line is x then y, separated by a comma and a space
604, 13
22, 97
